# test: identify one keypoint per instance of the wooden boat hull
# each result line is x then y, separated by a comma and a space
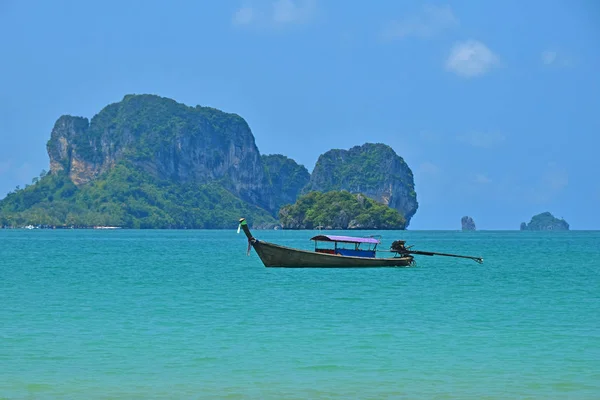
273, 255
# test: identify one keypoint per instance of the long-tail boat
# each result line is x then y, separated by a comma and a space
334, 251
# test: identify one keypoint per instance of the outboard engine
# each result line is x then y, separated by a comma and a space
398, 246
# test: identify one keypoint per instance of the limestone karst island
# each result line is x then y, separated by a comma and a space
545, 222
467, 223
150, 162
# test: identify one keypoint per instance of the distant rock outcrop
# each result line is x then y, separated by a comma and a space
374, 170
545, 222
467, 224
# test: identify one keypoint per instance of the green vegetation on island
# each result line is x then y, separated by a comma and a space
127, 198
373, 169
150, 162
339, 210
545, 222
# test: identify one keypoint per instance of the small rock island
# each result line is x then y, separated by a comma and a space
467, 223
545, 222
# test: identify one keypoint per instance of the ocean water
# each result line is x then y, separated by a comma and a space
186, 314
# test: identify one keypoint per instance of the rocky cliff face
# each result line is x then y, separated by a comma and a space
286, 177
64, 156
174, 144
467, 223
374, 170
166, 139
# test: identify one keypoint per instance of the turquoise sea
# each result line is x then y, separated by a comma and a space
131, 314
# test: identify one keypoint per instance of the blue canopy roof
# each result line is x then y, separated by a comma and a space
344, 239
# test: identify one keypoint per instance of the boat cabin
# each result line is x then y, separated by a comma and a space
346, 245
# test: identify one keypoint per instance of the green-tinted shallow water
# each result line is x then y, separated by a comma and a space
185, 314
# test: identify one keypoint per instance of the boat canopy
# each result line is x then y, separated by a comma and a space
344, 239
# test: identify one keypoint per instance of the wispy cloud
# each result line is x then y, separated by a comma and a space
555, 58
244, 16
471, 59
485, 140
553, 180
430, 137
548, 57
277, 13
292, 12
430, 21
481, 179
428, 168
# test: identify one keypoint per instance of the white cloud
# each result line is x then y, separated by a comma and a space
431, 21
278, 13
555, 59
288, 11
482, 179
549, 57
482, 139
244, 16
470, 59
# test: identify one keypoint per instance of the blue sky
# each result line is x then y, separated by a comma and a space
495, 105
